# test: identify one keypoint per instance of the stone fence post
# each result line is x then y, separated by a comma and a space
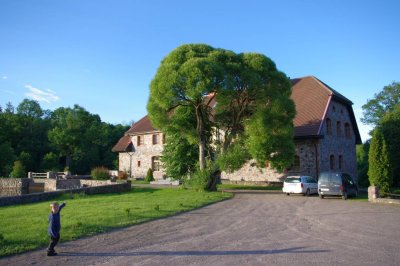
373, 193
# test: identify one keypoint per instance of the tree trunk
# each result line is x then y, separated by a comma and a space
201, 137
68, 160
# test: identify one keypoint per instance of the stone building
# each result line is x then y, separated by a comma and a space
325, 135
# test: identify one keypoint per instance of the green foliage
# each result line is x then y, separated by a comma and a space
389, 125
179, 156
383, 102
362, 151
233, 158
50, 162
26, 159
25, 134
100, 173
379, 171
94, 214
18, 170
253, 104
200, 179
149, 176
7, 158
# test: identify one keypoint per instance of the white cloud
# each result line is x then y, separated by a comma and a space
4, 77
41, 96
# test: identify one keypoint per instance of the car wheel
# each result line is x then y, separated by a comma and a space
308, 193
344, 195
321, 196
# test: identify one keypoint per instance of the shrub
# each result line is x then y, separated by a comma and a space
379, 166
149, 176
18, 170
100, 173
198, 181
50, 162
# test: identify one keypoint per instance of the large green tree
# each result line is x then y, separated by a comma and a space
252, 99
183, 80
383, 102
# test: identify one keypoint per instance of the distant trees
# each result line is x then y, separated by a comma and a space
383, 102
42, 140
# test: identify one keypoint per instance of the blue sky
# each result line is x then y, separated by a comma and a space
102, 55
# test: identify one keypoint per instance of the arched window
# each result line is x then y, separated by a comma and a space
332, 162
328, 126
338, 129
340, 162
347, 130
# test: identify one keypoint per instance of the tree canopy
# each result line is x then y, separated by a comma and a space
383, 102
25, 133
200, 91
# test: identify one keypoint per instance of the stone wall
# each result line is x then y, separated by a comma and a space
37, 197
307, 150
335, 145
13, 186
141, 160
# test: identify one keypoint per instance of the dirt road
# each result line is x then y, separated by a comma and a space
250, 229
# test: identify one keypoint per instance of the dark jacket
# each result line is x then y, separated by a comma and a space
54, 222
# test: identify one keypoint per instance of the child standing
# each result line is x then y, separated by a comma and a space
54, 227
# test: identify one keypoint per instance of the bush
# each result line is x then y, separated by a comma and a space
379, 166
100, 173
149, 176
18, 170
198, 181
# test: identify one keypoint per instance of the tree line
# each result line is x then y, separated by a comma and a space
34, 139
378, 159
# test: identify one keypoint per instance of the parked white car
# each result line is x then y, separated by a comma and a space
305, 185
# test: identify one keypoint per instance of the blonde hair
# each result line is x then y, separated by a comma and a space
54, 203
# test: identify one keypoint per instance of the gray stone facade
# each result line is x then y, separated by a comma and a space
337, 144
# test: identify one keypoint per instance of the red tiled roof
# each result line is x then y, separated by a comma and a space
142, 126
122, 144
311, 97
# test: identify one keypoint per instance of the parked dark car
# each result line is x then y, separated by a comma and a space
336, 184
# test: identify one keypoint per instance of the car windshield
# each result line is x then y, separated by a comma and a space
293, 180
330, 177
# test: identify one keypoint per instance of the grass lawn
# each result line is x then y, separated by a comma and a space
24, 227
247, 187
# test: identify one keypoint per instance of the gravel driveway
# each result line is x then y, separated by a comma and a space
250, 229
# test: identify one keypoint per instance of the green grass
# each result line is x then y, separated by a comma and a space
24, 227
247, 187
